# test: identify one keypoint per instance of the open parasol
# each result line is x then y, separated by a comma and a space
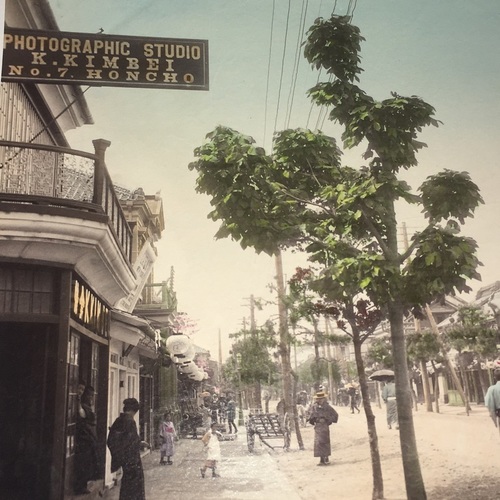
382, 375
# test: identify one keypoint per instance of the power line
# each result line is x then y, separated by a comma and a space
295, 71
282, 65
268, 72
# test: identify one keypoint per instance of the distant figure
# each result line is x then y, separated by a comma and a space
167, 435
492, 398
125, 446
206, 413
322, 416
302, 398
86, 455
212, 448
231, 415
280, 407
389, 397
267, 398
223, 410
214, 408
353, 396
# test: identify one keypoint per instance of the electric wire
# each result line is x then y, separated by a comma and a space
268, 72
295, 72
282, 65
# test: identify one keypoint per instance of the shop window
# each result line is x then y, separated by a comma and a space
73, 378
27, 290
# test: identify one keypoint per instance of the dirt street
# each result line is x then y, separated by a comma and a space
459, 457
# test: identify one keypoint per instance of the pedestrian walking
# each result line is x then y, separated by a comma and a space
231, 415
322, 416
167, 437
212, 448
389, 397
125, 446
353, 398
492, 398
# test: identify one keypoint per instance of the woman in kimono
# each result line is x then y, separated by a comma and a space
167, 436
86, 455
389, 397
322, 416
129, 456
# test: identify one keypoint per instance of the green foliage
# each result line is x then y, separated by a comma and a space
257, 362
309, 372
334, 45
233, 171
423, 346
472, 333
442, 263
450, 194
380, 352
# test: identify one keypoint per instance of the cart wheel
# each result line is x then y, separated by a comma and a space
286, 432
250, 440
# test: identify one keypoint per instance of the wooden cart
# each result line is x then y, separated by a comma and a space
268, 426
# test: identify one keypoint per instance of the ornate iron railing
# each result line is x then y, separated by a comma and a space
63, 177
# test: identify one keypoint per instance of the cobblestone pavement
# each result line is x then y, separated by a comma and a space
244, 475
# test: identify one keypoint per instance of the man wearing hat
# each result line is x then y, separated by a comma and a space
322, 416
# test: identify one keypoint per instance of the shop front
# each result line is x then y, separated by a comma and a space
54, 333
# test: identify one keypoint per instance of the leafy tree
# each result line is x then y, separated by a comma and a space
303, 304
380, 353
438, 261
357, 318
344, 218
257, 365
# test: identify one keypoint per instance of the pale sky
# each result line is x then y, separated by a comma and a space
444, 52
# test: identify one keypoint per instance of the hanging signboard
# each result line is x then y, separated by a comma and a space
60, 57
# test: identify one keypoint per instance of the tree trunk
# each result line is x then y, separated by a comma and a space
295, 413
415, 489
378, 481
284, 344
436, 386
317, 356
426, 385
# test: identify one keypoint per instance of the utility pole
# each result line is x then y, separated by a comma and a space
220, 359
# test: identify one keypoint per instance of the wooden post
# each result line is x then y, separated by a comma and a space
60, 389
453, 373
100, 146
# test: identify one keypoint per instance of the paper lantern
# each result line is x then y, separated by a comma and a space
189, 367
187, 356
197, 375
178, 344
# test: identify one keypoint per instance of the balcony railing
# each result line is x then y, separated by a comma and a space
61, 177
158, 296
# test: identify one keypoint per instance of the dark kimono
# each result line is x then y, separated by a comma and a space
322, 416
86, 455
132, 484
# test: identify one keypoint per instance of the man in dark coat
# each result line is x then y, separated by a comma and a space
128, 454
322, 416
